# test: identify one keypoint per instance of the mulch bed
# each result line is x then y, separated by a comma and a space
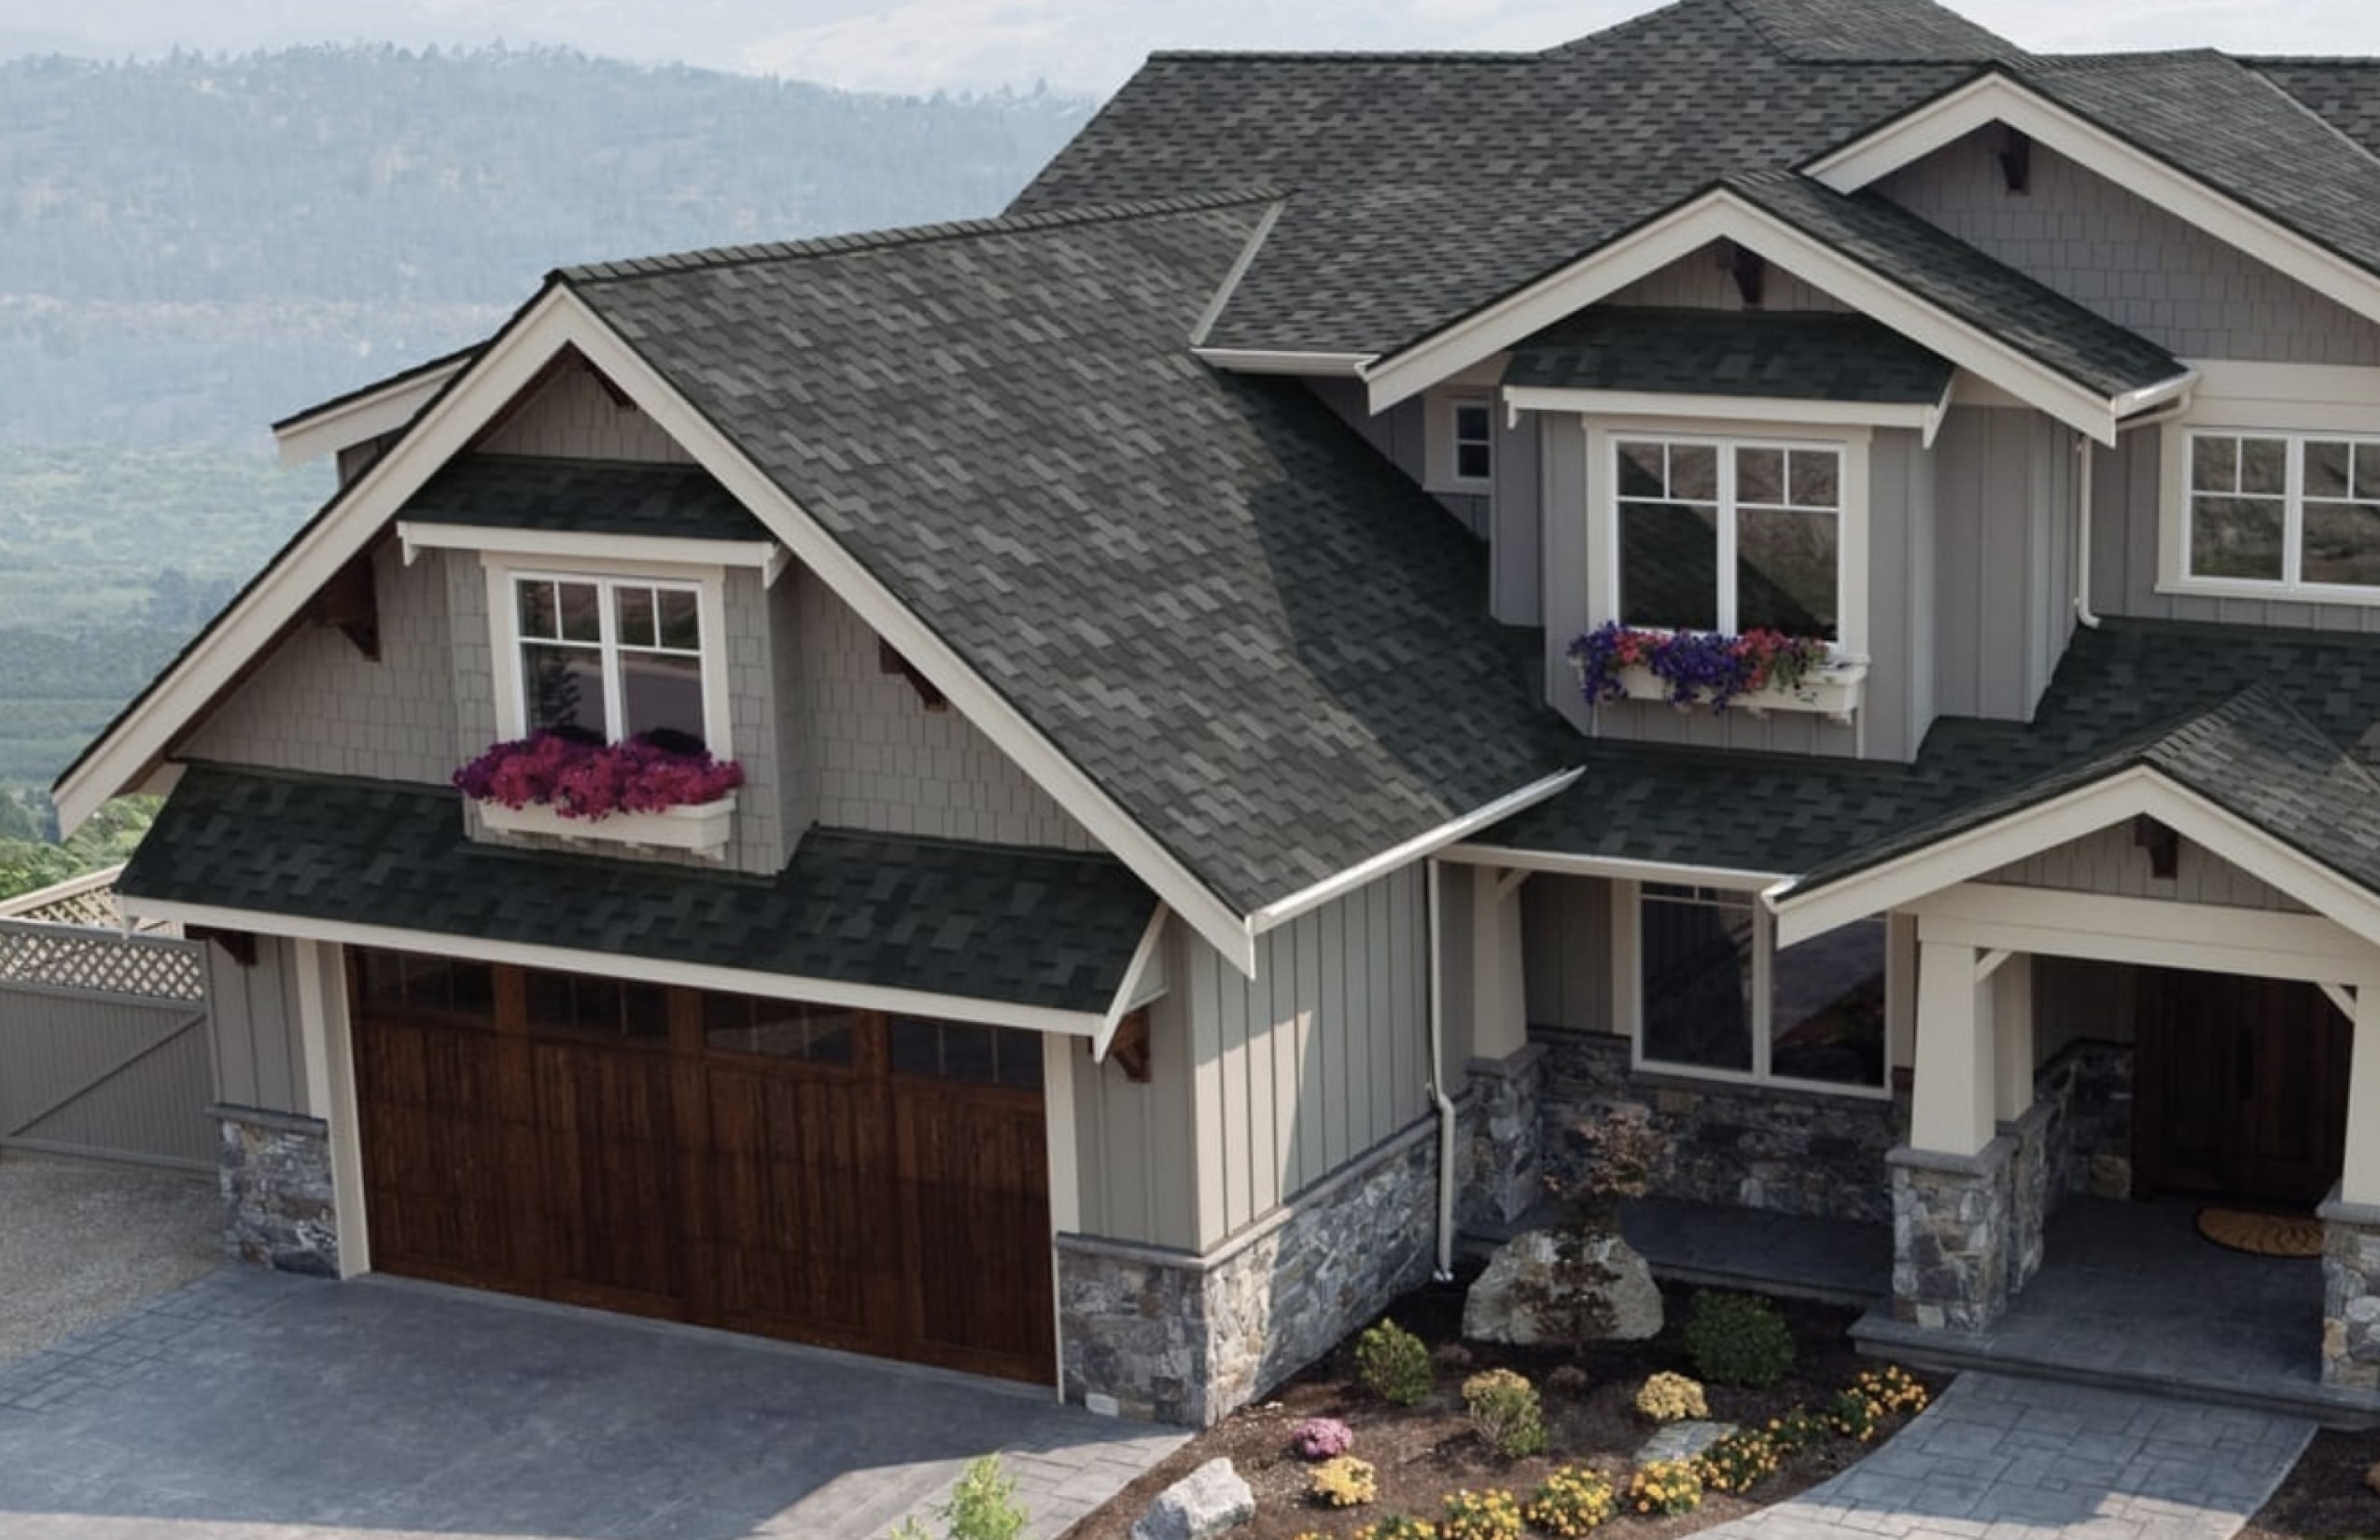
2325, 1497
1424, 1453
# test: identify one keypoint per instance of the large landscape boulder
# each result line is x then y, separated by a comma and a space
1531, 1294
1200, 1506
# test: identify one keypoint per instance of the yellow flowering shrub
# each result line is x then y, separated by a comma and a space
1397, 1526
1571, 1502
1893, 1389
1343, 1482
1740, 1462
1672, 1398
1480, 1516
1798, 1430
1665, 1487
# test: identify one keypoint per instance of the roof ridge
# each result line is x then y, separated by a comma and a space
1789, 51
1345, 56
2258, 61
705, 258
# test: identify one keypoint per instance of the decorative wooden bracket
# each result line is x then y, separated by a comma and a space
349, 603
1750, 271
1130, 1047
889, 661
2162, 845
2016, 161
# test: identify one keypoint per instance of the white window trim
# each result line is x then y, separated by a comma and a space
1852, 520
504, 571
2292, 422
1476, 386
1627, 1001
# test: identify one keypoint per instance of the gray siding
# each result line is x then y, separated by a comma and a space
1700, 281
319, 706
2111, 861
2125, 498
1566, 951
1401, 434
2004, 560
110, 1077
572, 416
1570, 567
880, 760
1135, 1152
1898, 701
1319, 1057
260, 1048
1516, 587
2116, 253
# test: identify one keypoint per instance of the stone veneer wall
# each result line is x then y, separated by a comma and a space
1182, 1339
278, 1206
2351, 1295
1754, 1146
1501, 1175
1951, 1226
2090, 1085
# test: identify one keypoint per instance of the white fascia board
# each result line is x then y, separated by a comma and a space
990, 711
1612, 868
1722, 214
2149, 932
639, 550
1365, 872
1133, 991
1739, 409
315, 434
1255, 360
215, 659
1997, 99
1911, 878
2148, 397
815, 991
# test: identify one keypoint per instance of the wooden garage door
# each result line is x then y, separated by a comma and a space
841, 1177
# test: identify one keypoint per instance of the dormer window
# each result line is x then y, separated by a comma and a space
1474, 451
1459, 441
1729, 535
611, 658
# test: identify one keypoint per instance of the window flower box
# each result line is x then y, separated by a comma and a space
1757, 672
640, 792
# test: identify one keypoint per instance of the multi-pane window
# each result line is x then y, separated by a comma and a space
780, 1028
2285, 509
1724, 534
611, 658
1718, 995
1474, 441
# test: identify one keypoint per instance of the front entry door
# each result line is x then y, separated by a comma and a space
2241, 1088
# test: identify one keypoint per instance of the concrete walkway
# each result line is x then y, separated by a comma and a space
2010, 1459
251, 1406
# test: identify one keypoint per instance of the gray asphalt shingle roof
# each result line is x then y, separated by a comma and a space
585, 497
1036, 927
1808, 355
1207, 592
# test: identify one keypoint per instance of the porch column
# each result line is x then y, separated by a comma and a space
1506, 1072
2359, 1180
1952, 1104
1951, 1181
2012, 987
2351, 1217
1499, 1001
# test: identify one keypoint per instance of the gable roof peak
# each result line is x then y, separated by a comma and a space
1822, 32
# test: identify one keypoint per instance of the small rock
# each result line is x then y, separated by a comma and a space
1200, 1506
1506, 1304
2371, 1479
1682, 1441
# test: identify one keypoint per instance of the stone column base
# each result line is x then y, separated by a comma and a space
2031, 1190
1188, 1339
279, 1208
2350, 1294
1505, 1177
1952, 1234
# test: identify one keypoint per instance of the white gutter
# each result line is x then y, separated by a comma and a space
2082, 533
1437, 1086
1252, 360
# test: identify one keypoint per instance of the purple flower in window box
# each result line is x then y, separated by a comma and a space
1694, 667
580, 780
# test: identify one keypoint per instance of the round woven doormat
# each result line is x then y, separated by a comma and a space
2262, 1235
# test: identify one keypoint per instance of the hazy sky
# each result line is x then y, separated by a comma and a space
1075, 45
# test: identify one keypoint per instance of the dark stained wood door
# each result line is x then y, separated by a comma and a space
754, 1165
2240, 1088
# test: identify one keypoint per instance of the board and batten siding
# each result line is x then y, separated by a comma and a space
2117, 253
2113, 862
319, 706
1566, 951
878, 759
572, 416
1136, 1151
2003, 601
259, 1044
1314, 1061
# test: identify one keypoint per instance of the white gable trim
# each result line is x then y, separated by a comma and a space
1615, 868
1144, 980
639, 551
815, 991
1926, 418
1997, 99
1907, 880
557, 319
2150, 933
1722, 214
383, 409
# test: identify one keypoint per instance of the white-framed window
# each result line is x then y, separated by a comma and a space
2282, 511
1475, 440
610, 651
1729, 534
1706, 991
1459, 426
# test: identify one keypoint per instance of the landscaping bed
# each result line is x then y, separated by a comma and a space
2324, 1497
1420, 1454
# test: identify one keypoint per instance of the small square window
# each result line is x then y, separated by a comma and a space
1474, 441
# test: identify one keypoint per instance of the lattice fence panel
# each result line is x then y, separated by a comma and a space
95, 908
95, 961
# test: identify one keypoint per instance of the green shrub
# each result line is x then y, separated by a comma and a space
1505, 1412
1737, 1339
979, 1507
1397, 1526
1394, 1364
1480, 1516
1854, 1416
1571, 1503
1796, 1430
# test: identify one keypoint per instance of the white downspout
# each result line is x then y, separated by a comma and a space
1437, 1075
2082, 534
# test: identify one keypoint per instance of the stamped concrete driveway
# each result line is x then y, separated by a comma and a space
254, 1406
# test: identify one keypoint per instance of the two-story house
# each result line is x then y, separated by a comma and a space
1179, 872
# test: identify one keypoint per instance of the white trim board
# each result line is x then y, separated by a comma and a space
1724, 215
1258, 360
621, 554
2152, 932
815, 991
1768, 410
1997, 99
382, 408
1907, 881
1617, 868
